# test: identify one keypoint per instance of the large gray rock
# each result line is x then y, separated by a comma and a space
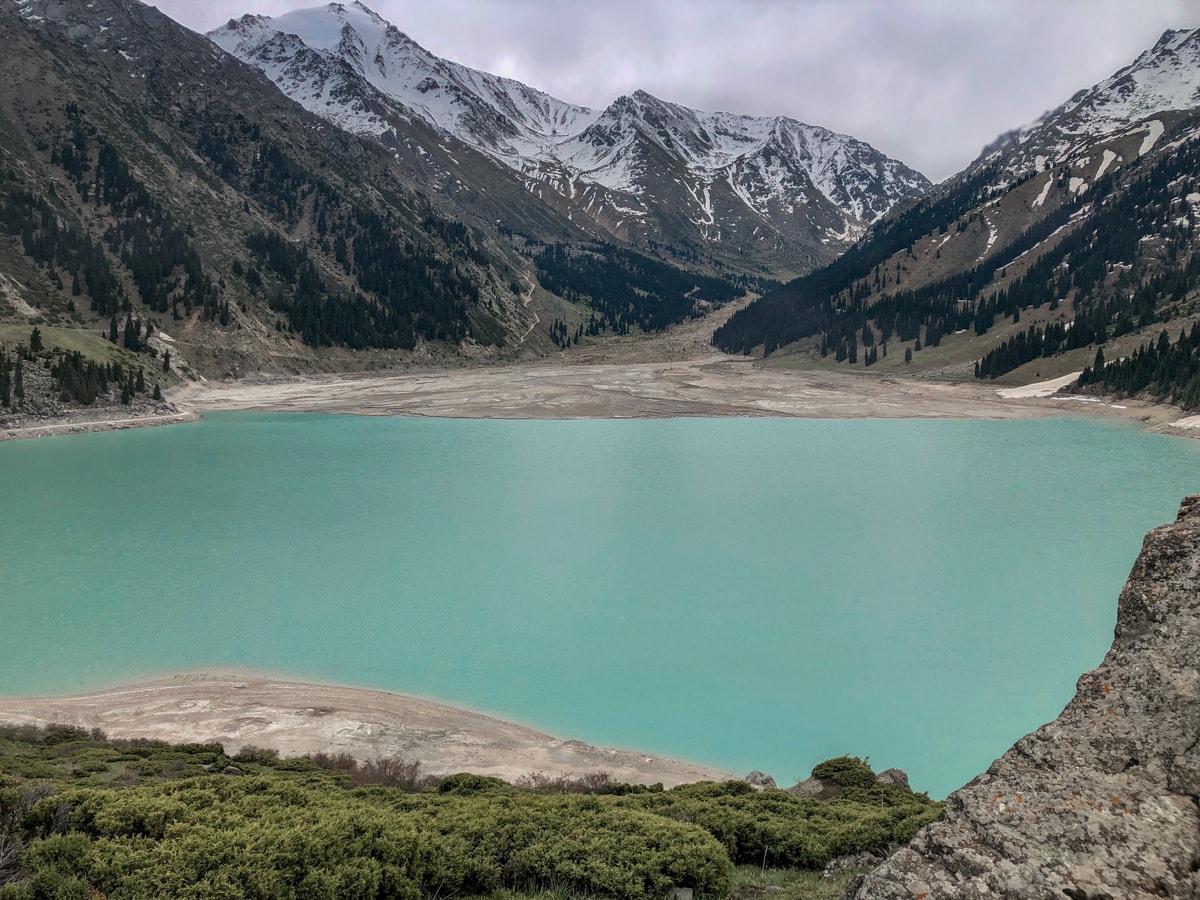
1104, 802
856, 862
760, 780
814, 788
897, 778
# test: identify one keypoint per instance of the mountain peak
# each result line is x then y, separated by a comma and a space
1163, 79
357, 8
763, 171
1170, 36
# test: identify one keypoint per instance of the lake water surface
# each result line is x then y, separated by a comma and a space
745, 593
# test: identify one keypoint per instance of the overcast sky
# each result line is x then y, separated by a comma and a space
929, 82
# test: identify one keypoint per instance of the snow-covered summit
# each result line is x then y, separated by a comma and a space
498, 115
768, 160
733, 177
1163, 79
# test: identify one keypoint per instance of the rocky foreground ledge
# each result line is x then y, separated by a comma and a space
1103, 803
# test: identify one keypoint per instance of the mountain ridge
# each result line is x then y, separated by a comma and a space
768, 189
1162, 79
191, 195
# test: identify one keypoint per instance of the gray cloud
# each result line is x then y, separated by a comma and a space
927, 81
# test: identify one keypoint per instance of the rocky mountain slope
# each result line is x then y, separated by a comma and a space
768, 195
147, 177
1080, 225
1105, 800
148, 180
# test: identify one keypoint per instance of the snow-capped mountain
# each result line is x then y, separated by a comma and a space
1081, 227
1162, 80
784, 193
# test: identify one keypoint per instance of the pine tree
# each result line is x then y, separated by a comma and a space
157, 393
19, 382
131, 333
167, 361
35, 341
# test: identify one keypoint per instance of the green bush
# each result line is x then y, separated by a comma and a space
467, 784
275, 837
783, 831
300, 828
846, 772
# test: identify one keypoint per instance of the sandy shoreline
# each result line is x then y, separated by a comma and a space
86, 422
239, 709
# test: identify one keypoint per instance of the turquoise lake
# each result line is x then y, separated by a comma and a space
745, 593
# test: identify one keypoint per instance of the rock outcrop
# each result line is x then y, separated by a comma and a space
893, 778
760, 781
1103, 802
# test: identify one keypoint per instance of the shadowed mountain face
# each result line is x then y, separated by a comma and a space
1079, 226
760, 194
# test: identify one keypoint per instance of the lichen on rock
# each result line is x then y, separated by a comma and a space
1103, 802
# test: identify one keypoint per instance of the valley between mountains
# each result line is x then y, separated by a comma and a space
317, 194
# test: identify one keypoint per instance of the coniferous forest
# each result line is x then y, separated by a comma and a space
628, 290
1165, 370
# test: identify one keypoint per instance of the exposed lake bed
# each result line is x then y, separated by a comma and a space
711, 386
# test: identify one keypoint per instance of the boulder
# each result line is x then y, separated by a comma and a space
896, 778
1103, 801
815, 789
760, 780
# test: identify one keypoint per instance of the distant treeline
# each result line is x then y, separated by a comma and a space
626, 289
361, 275
160, 255
1167, 372
386, 285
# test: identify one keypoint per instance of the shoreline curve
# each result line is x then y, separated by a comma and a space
239, 708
